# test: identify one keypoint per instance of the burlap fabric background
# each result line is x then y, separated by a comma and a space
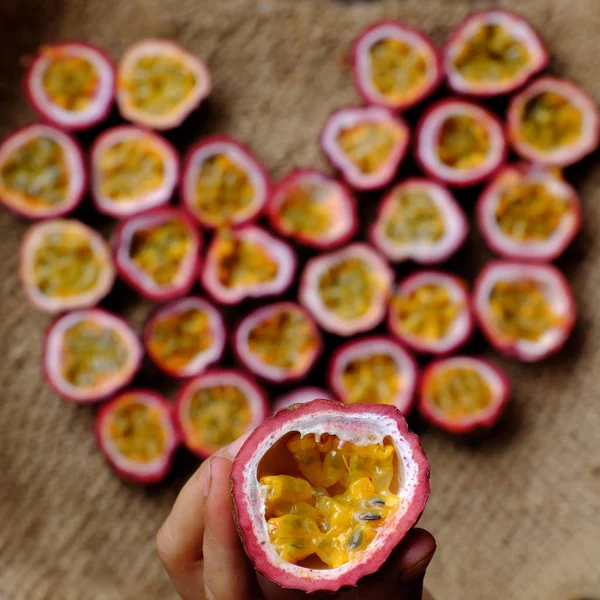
516, 515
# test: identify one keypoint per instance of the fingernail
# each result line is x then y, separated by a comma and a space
417, 571
234, 447
207, 479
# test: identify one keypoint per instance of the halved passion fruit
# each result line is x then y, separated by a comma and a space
245, 263
493, 52
323, 492
90, 354
65, 265
525, 310
528, 213
419, 220
217, 407
71, 85
347, 291
223, 183
279, 342
463, 393
460, 143
158, 253
374, 370
132, 170
553, 122
367, 145
160, 84
313, 209
395, 65
430, 312
136, 433
185, 336
41, 172
301, 396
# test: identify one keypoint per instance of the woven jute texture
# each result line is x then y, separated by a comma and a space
516, 514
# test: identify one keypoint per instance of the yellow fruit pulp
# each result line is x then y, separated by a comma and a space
464, 142
326, 500
302, 213
368, 145
372, 379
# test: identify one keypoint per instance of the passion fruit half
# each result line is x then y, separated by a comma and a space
132, 170
65, 265
184, 336
430, 312
347, 291
493, 52
278, 342
158, 253
217, 407
374, 370
460, 143
71, 85
395, 65
366, 144
419, 220
553, 122
463, 393
136, 433
160, 84
90, 354
301, 396
313, 209
323, 492
245, 263
525, 310
42, 174
528, 213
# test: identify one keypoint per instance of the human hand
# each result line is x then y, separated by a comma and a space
199, 547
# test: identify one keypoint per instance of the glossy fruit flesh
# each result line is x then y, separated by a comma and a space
330, 509
301, 214
464, 142
372, 379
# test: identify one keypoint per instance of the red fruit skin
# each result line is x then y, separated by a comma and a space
511, 350
476, 423
272, 212
75, 202
123, 266
300, 396
40, 110
187, 201
141, 478
237, 341
456, 33
255, 547
466, 181
260, 399
491, 239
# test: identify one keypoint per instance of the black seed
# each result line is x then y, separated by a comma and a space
356, 540
377, 502
371, 517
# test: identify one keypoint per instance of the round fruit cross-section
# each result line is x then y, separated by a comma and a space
71, 85
216, 408
185, 336
493, 52
279, 342
367, 145
90, 354
136, 433
41, 172
528, 212
419, 220
430, 312
160, 84
374, 370
460, 143
347, 291
65, 265
223, 183
525, 310
245, 263
313, 209
553, 122
301, 396
158, 253
323, 492
463, 393
132, 170
395, 65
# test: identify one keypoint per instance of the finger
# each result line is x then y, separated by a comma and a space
414, 555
